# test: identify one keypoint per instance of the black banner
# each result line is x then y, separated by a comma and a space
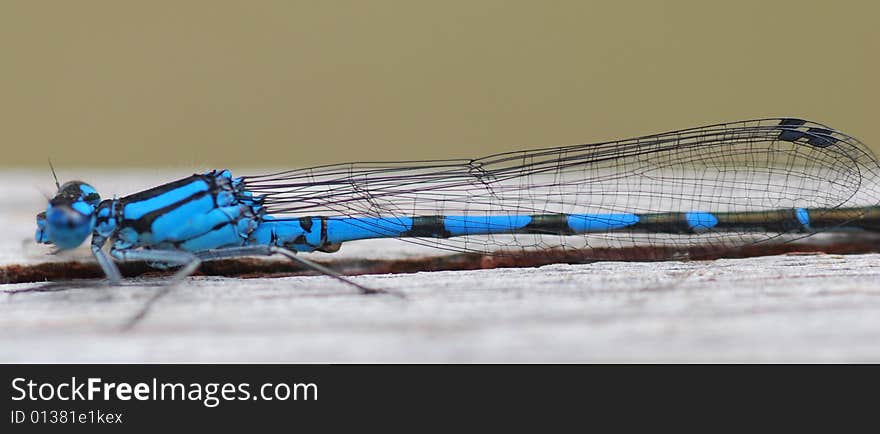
327, 397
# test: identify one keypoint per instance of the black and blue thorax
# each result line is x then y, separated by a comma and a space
201, 212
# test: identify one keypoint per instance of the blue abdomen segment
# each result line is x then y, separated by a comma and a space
307, 234
302, 234
348, 229
585, 223
803, 217
700, 221
476, 225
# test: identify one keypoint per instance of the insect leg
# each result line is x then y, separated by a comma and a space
235, 252
106, 263
190, 262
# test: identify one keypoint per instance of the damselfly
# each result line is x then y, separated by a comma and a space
721, 185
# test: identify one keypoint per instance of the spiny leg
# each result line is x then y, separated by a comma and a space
106, 263
234, 252
189, 261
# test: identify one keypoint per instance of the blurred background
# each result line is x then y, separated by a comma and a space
204, 84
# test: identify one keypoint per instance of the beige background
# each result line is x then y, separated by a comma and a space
195, 85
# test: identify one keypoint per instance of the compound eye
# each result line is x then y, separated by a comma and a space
67, 226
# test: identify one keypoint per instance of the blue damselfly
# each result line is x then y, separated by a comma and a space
723, 185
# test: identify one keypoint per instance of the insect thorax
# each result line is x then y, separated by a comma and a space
200, 212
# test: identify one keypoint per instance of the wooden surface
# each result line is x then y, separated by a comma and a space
775, 308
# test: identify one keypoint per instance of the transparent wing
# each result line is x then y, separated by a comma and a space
741, 166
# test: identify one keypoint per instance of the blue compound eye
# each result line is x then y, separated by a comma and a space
66, 227
70, 216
